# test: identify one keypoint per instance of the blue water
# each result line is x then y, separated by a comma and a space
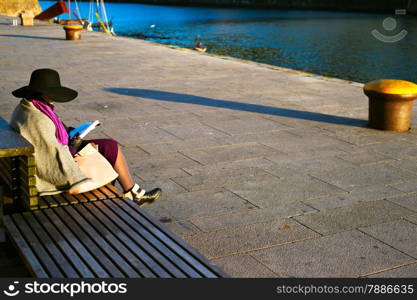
338, 44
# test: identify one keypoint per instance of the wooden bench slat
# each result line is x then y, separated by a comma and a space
213, 269
95, 248
5, 171
70, 198
130, 244
152, 256
27, 171
80, 198
66, 198
99, 195
116, 193
76, 244
53, 250
6, 162
89, 196
92, 232
60, 242
32, 200
7, 180
60, 199
50, 201
107, 192
132, 257
35, 267
42, 203
189, 254
139, 229
29, 190
5, 165
37, 247
27, 181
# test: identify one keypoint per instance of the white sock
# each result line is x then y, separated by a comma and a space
135, 192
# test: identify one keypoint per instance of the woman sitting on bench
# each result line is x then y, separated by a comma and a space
35, 119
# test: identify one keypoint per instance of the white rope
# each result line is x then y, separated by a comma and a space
103, 9
97, 6
91, 12
77, 9
69, 10
90, 16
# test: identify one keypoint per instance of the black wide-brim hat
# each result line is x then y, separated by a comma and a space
46, 82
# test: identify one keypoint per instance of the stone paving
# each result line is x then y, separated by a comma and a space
268, 172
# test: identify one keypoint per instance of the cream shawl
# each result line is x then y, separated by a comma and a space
56, 170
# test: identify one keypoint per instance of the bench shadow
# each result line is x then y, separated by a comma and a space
240, 106
31, 37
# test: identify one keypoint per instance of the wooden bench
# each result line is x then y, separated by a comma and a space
95, 234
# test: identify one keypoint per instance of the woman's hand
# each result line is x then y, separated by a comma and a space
75, 141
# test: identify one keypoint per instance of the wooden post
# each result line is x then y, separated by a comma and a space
26, 18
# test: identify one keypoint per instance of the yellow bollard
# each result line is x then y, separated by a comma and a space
390, 103
73, 32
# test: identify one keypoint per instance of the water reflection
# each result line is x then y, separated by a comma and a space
328, 43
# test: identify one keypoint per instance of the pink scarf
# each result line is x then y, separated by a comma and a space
49, 110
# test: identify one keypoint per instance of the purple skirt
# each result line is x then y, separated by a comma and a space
107, 147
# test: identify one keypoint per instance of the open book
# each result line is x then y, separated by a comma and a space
84, 129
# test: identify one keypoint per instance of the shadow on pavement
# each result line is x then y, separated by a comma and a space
32, 37
241, 106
